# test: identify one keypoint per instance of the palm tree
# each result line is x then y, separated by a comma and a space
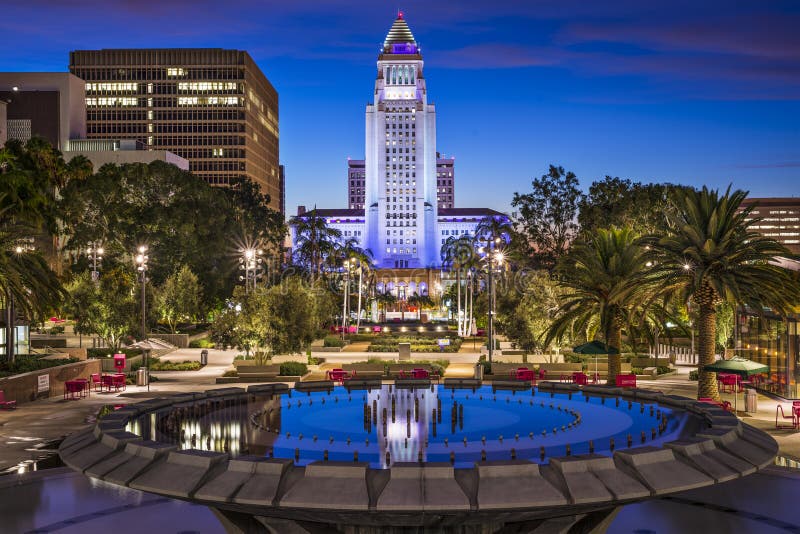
385, 299
457, 253
361, 259
709, 254
601, 273
314, 239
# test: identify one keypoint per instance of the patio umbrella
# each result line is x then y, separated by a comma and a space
737, 366
595, 348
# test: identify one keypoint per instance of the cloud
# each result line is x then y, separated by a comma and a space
498, 56
778, 165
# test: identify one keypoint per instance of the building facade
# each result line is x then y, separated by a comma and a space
119, 152
780, 220
43, 104
401, 196
445, 182
212, 107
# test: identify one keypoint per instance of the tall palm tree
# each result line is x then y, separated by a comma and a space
709, 254
601, 273
315, 240
457, 253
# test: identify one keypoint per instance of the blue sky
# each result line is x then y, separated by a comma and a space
680, 91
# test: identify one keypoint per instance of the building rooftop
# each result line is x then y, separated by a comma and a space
399, 34
470, 212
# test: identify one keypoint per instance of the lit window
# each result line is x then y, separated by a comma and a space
176, 71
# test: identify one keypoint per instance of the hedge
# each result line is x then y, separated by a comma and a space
293, 369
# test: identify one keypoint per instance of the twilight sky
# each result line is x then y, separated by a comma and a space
694, 92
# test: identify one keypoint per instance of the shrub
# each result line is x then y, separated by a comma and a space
202, 343
27, 363
230, 372
293, 369
103, 353
56, 330
158, 365
694, 375
333, 341
571, 357
664, 369
313, 360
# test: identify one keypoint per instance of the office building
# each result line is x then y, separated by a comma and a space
445, 182
400, 196
212, 107
43, 104
780, 220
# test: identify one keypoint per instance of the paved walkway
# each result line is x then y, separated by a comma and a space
23, 432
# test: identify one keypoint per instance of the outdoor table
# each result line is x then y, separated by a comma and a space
419, 373
337, 375
86, 391
580, 378
523, 373
73, 389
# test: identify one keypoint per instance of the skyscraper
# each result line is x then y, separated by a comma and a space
213, 107
401, 196
445, 182
400, 190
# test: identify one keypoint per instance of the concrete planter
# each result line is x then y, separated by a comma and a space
328, 349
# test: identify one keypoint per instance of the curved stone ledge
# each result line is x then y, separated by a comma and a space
722, 448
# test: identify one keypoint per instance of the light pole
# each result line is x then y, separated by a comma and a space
141, 266
493, 255
348, 263
250, 263
95, 253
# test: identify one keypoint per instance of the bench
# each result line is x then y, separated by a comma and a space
258, 372
558, 369
365, 370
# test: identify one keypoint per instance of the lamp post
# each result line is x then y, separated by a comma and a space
348, 264
493, 255
141, 266
95, 253
250, 262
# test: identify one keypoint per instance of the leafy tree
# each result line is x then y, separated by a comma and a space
545, 217
524, 316
107, 308
603, 276
314, 241
709, 254
178, 298
622, 203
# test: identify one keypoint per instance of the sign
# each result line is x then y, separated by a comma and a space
119, 362
445, 342
43, 383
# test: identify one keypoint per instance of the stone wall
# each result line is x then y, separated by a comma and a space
23, 387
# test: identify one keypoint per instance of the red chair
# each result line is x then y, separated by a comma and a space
6, 404
581, 379
780, 415
542, 374
725, 405
73, 389
376, 329
523, 373
337, 375
96, 381
118, 382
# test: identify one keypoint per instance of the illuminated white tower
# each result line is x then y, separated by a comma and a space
400, 190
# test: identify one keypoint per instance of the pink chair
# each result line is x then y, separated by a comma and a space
6, 404
96, 381
781, 416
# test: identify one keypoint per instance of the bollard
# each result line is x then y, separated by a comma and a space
297, 455
513, 453
483, 455
630, 441
591, 446
644, 436
419, 456
452, 457
612, 445
569, 450
355, 456
541, 452
387, 458
653, 434
325, 455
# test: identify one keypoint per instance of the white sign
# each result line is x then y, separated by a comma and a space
43, 383
444, 342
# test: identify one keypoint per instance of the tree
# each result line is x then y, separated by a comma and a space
314, 241
280, 319
458, 253
525, 316
178, 298
107, 308
709, 254
545, 217
602, 274
622, 203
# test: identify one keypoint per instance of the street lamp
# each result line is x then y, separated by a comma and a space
141, 266
493, 256
250, 262
349, 263
95, 253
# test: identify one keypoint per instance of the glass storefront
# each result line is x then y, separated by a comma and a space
773, 341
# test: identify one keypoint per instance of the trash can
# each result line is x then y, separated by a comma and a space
478, 371
141, 376
204, 357
750, 401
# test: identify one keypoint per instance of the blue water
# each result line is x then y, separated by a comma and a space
493, 423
